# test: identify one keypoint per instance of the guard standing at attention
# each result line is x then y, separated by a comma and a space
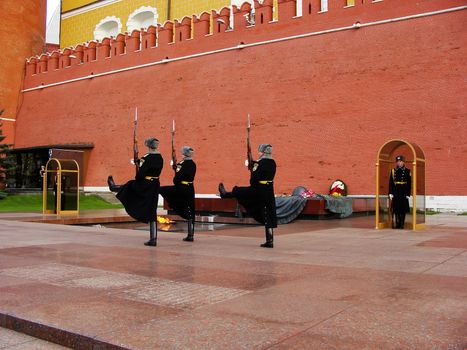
258, 198
181, 196
400, 186
140, 196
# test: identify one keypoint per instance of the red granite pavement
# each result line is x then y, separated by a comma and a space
334, 284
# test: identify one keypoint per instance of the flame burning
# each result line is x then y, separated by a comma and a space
163, 220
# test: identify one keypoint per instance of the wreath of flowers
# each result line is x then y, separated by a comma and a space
338, 188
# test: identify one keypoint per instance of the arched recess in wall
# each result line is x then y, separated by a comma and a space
142, 18
108, 27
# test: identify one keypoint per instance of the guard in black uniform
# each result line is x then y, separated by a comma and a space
258, 198
400, 186
140, 196
181, 196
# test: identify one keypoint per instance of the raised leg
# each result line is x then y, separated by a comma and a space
112, 186
223, 193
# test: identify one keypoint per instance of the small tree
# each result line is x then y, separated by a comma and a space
7, 164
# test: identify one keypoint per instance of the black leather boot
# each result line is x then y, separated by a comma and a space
112, 186
269, 239
223, 193
402, 221
191, 227
191, 233
152, 234
397, 216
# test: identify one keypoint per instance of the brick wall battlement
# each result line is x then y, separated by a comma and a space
192, 36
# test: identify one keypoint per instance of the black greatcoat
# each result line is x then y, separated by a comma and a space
258, 199
400, 185
140, 196
181, 196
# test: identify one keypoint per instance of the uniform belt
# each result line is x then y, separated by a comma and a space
150, 178
186, 182
400, 182
265, 182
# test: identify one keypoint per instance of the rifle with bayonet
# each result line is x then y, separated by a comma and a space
173, 162
135, 142
249, 160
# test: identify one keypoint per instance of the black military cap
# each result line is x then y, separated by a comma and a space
398, 158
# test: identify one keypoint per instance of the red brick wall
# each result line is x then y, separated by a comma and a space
326, 103
22, 34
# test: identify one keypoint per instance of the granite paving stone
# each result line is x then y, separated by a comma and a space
331, 284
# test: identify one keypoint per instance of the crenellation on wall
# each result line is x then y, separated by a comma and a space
263, 12
133, 41
287, 10
220, 20
89, 52
242, 17
31, 66
165, 34
197, 28
201, 24
172, 32
250, 25
149, 38
183, 29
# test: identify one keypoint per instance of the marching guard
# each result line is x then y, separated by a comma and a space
181, 196
258, 198
400, 185
140, 196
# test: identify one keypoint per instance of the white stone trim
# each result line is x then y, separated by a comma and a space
130, 26
103, 21
447, 203
88, 8
436, 203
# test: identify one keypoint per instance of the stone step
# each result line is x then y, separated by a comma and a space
55, 335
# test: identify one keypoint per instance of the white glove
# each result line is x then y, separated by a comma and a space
408, 197
391, 196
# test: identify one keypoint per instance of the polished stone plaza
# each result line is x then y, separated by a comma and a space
327, 284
